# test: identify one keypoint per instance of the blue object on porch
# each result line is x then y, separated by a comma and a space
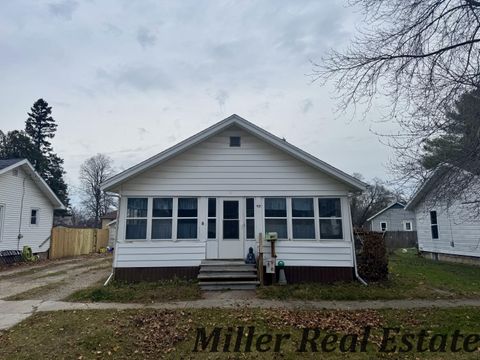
250, 257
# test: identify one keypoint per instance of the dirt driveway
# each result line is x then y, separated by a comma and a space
53, 280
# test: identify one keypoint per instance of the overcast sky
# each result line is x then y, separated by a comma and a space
131, 78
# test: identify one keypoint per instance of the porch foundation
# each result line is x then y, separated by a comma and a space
137, 274
313, 274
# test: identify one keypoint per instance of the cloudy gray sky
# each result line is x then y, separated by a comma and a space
131, 78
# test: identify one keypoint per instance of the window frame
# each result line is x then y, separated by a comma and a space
37, 217
214, 218
381, 227
251, 218
171, 218
265, 217
187, 218
314, 218
405, 222
235, 141
434, 225
147, 218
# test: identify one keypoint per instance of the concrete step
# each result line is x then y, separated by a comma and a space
228, 285
223, 262
239, 268
226, 275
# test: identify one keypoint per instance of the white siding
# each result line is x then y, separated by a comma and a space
213, 168
11, 189
455, 227
159, 254
312, 253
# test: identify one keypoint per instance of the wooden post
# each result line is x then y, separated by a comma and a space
260, 258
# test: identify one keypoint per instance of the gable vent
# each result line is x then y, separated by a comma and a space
234, 141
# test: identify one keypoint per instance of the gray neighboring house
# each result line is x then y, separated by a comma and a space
393, 218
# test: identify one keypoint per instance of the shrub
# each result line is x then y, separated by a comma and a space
372, 260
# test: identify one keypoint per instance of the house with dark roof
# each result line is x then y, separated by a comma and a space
394, 217
26, 207
200, 207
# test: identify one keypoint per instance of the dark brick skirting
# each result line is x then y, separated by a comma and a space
314, 274
294, 274
155, 273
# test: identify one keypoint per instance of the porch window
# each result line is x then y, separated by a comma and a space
250, 218
330, 214
303, 218
187, 218
162, 218
212, 218
276, 216
136, 222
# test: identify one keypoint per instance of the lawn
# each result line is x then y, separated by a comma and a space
143, 292
153, 334
411, 276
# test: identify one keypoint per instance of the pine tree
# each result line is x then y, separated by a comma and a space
40, 126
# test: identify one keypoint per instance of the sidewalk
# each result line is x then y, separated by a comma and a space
13, 312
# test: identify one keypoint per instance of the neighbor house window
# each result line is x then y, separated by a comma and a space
34, 217
162, 218
136, 222
407, 226
234, 141
276, 216
212, 218
330, 213
187, 218
434, 224
250, 218
383, 226
303, 218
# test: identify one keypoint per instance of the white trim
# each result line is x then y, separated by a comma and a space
405, 222
234, 119
385, 209
38, 180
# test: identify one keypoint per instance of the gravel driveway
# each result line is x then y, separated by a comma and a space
53, 280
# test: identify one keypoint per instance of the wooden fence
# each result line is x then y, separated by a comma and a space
67, 242
400, 239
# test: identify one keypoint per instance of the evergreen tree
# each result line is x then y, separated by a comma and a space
40, 126
18, 145
459, 143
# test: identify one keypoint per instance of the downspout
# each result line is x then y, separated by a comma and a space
357, 275
19, 236
116, 237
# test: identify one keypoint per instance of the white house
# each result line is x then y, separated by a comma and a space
445, 232
394, 217
212, 195
26, 207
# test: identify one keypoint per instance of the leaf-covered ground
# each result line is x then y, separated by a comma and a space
154, 334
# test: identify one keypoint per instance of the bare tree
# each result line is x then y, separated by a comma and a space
422, 56
375, 198
93, 172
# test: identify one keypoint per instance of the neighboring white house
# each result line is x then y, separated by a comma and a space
393, 218
212, 195
26, 207
445, 232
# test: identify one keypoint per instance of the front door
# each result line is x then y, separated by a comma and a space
230, 245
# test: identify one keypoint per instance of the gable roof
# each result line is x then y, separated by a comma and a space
236, 120
10, 164
387, 208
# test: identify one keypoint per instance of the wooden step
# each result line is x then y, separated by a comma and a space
224, 262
